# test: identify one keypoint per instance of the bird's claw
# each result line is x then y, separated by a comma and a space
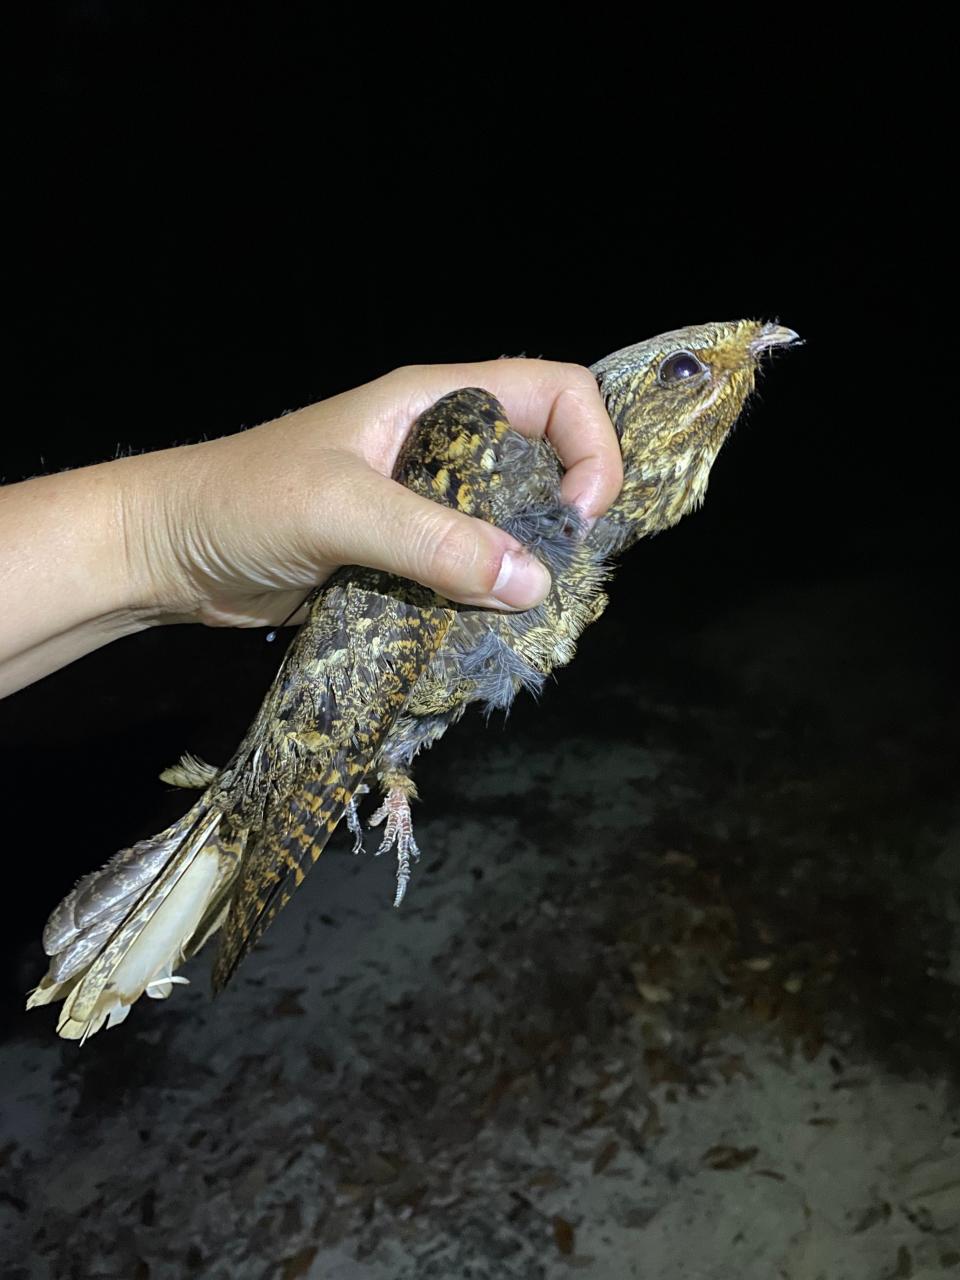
353, 817
398, 831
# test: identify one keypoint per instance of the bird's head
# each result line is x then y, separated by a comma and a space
673, 401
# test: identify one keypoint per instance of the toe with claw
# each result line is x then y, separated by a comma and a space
353, 817
398, 831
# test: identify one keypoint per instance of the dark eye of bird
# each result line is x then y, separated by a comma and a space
680, 367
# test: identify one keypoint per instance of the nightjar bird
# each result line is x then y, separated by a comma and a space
382, 667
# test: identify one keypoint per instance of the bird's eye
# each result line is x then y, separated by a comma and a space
680, 367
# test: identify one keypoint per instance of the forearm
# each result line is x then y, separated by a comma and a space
65, 575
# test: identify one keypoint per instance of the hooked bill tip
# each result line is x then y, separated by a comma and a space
773, 335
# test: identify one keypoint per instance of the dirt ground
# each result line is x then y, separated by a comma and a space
675, 993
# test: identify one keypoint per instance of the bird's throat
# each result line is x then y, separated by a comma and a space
654, 497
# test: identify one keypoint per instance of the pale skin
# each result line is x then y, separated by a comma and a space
236, 531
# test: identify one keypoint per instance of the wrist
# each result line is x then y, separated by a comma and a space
152, 501
88, 511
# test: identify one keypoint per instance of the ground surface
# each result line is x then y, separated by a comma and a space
674, 994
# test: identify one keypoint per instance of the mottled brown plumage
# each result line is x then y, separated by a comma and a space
382, 667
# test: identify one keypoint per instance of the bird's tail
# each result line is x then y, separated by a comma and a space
123, 930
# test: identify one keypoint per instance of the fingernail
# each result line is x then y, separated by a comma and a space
522, 581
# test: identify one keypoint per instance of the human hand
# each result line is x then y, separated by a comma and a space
235, 531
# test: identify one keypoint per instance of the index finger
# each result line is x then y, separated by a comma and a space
542, 398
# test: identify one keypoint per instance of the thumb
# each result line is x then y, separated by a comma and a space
462, 558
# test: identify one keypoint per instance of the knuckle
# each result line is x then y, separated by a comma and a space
455, 558
449, 550
578, 376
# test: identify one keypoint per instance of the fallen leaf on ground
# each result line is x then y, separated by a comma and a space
724, 1158
563, 1234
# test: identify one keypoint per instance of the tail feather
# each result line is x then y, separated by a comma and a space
99, 894
83, 949
231, 843
110, 943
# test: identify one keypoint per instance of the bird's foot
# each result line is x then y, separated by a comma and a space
398, 831
353, 817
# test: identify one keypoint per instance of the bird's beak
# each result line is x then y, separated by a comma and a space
772, 335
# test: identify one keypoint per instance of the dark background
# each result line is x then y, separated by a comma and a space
220, 212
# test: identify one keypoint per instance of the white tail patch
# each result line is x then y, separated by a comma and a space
147, 942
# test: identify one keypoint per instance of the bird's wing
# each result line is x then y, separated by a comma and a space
349, 674
345, 681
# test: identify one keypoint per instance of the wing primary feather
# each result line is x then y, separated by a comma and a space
386, 631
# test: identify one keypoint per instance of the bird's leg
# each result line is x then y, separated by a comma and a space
353, 817
399, 790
